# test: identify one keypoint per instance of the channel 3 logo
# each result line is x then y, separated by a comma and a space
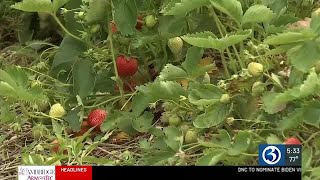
271, 155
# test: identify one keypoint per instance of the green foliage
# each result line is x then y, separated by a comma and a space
83, 77
304, 56
232, 8
209, 40
205, 95
274, 101
125, 16
257, 14
69, 51
97, 11
289, 37
213, 116
183, 7
40, 5
153, 92
171, 73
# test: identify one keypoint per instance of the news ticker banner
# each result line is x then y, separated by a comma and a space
162, 172
275, 161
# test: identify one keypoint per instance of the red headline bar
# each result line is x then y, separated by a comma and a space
73, 172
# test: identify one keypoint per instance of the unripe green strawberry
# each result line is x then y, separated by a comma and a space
255, 69
150, 21
175, 45
258, 88
57, 111
225, 98
191, 136
174, 120
95, 28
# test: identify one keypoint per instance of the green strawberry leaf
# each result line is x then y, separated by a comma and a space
275, 102
7, 90
34, 6
57, 128
83, 77
153, 92
98, 160
211, 158
277, 6
192, 60
242, 142
213, 116
172, 73
315, 23
273, 139
125, 16
290, 37
207, 94
232, 8
173, 138
209, 40
281, 49
306, 159
305, 56
258, 14
171, 26
311, 113
157, 158
119, 120
103, 82
220, 140
183, 7
97, 11
71, 22
143, 123
69, 51
58, 3
293, 120
74, 118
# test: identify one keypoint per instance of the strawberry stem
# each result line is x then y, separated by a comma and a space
119, 81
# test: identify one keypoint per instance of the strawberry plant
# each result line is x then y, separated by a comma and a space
188, 82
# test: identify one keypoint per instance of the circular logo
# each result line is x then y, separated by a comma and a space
271, 155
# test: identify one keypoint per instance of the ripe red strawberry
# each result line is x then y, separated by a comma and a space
96, 117
126, 66
292, 140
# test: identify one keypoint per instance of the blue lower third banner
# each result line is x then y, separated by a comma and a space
280, 155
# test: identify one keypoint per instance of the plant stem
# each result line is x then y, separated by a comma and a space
225, 65
105, 102
120, 84
223, 28
64, 28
